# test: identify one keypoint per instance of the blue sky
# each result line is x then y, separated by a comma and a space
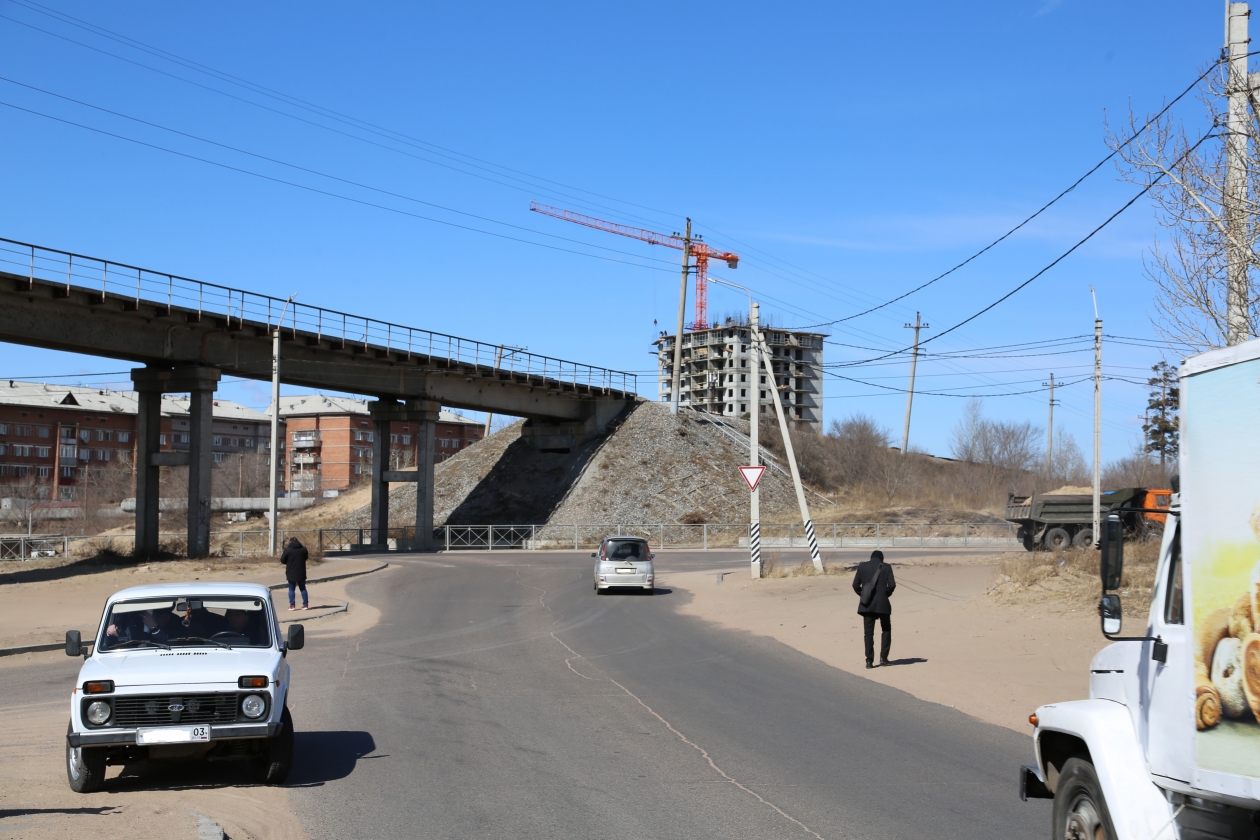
848, 152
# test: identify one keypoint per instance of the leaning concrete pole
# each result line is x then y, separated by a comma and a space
1235, 194
754, 458
682, 313
791, 456
275, 440
914, 358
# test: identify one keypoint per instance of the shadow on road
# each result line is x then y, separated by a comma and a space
28, 812
631, 591
910, 660
320, 757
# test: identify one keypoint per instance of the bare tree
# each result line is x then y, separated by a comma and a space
1186, 173
1067, 461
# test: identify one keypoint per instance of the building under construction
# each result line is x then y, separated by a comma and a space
718, 375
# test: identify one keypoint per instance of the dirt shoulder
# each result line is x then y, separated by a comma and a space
953, 643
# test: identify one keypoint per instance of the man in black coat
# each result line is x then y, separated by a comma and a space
874, 583
294, 560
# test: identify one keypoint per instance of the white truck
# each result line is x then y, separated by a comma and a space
1168, 745
182, 671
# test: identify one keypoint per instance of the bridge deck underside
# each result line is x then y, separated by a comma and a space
80, 320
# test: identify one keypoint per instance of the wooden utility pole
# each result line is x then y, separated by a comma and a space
1097, 421
914, 358
1050, 432
1234, 198
682, 313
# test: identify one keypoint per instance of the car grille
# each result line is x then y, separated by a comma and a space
156, 711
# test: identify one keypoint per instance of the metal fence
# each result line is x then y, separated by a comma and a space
541, 538
135, 286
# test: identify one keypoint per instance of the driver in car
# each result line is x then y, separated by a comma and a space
238, 622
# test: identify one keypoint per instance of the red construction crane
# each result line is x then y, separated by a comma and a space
702, 252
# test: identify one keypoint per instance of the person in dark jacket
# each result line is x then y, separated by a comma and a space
874, 583
294, 560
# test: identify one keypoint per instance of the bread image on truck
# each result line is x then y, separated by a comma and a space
1168, 743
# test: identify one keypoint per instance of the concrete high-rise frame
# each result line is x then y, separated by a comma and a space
718, 376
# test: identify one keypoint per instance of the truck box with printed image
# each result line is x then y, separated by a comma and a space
1168, 743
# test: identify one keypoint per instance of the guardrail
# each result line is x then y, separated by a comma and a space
664, 535
135, 286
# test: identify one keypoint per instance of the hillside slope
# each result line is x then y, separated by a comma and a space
653, 467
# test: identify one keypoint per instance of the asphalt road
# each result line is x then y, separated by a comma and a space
500, 697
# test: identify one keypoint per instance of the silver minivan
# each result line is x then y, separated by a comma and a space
624, 562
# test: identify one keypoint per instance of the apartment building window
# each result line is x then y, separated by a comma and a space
123, 437
43, 431
358, 469
4, 428
763, 394
4, 449
183, 438
218, 457
162, 440
393, 438
743, 407
362, 435
85, 435
43, 472
68, 451
104, 434
67, 472
218, 441
43, 451
22, 430
743, 392
21, 472
65, 494
249, 443
85, 454
22, 450
763, 382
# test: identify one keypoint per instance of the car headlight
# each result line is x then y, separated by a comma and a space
253, 706
98, 712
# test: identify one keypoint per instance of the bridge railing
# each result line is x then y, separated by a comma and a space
237, 306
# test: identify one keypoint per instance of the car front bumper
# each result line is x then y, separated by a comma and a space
127, 737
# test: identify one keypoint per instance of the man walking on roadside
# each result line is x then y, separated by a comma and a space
874, 583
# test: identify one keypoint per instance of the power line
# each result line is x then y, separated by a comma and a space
330, 193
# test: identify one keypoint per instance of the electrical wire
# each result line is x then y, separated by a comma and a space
333, 194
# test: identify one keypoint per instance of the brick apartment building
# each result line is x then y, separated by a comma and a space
330, 441
52, 436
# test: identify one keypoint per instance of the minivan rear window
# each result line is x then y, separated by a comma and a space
626, 550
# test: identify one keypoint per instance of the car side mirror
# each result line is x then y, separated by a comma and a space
297, 637
1110, 613
1111, 552
594, 553
74, 643
651, 556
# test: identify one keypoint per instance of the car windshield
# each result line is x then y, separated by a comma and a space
626, 550
194, 621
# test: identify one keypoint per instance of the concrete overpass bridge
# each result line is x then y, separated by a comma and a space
187, 334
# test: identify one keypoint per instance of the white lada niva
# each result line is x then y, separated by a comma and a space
182, 671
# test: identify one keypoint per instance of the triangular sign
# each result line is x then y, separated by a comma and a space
752, 476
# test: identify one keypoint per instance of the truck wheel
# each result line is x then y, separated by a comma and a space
271, 766
1080, 812
1084, 539
85, 766
1057, 539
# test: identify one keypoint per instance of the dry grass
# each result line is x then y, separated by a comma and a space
772, 566
1069, 579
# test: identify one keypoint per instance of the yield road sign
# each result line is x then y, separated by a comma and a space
752, 476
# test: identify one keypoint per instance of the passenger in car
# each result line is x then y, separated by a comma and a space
238, 622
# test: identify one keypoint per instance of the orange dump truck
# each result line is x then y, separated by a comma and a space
1054, 523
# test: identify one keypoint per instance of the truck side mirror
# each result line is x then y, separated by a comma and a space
74, 643
297, 637
1111, 552
1110, 612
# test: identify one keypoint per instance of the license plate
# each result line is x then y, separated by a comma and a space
629, 571
172, 735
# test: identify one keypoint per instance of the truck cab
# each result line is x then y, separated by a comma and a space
1168, 743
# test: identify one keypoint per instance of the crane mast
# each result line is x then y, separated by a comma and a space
695, 248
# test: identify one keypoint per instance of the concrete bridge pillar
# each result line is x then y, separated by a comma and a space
150, 384
424, 415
